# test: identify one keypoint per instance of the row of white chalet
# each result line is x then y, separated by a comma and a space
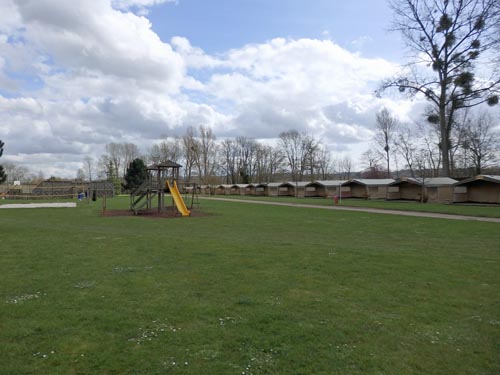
481, 189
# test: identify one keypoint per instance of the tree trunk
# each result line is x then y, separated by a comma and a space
388, 161
443, 126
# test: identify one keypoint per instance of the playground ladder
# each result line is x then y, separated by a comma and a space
141, 196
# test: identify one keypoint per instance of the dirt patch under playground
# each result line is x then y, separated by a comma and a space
168, 213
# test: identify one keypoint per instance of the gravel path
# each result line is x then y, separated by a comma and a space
37, 205
363, 209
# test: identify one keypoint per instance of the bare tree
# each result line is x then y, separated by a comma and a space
119, 155
422, 163
297, 149
36, 178
80, 174
345, 167
207, 154
189, 152
309, 160
268, 161
115, 157
449, 36
262, 163
430, 147
386, 126
15, 172
323, 159
406, 146
130, 152
238, 159
482, 142
291, 147
457, 137
229, 154
246, 153
167, 149
88, 167
371, 161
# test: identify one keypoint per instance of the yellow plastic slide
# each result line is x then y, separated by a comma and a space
179, 202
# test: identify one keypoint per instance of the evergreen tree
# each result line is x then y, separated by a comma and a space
136, 174
3, 176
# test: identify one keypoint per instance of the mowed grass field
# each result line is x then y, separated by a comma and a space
467, 209
247, 289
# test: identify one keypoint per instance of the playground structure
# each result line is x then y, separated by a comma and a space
160, 177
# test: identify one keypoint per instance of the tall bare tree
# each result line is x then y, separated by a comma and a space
449, 36
481, 141
15, 172
371, 159
385, 126
130, 152
207, 154
345, 167
430, 149
323, 162
167, 149
297, 149
406, 145
88, 167
189, 152
268, 161
114, 156
80, 174
422, 163
246, 155
229, 162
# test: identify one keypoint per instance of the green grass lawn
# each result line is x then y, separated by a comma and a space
247, 289
443, 208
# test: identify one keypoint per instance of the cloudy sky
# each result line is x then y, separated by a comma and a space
76, 75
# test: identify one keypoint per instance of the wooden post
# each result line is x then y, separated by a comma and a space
160, 191
104, 202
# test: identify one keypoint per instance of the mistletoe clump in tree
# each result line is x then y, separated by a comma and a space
450, 37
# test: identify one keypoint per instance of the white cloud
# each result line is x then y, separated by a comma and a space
9, 17
140, 5
93, 72
91, 38
194, 57
285, 84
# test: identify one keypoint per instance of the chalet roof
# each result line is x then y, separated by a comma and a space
481, 177
163, 165
370, 181
274, 184
431, 181
328, 182
439, 181
242, 186
297, 184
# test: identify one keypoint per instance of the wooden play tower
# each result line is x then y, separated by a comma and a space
160, 177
